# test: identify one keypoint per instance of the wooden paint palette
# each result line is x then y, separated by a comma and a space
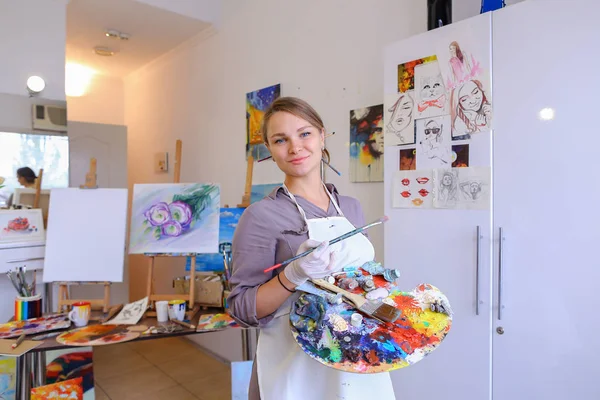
97, 335
32, 326
375, 346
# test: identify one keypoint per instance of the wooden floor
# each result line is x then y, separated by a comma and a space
171, 368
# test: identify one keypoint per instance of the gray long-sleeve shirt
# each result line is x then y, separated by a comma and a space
271, 231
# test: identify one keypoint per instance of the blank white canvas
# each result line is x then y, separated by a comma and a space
85, 239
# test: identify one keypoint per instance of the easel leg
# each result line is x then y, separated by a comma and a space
149, 283
192, 282
106, 297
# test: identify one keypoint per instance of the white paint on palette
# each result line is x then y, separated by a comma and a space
175, 218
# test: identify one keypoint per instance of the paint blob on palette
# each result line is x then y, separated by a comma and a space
215, 322
96, 335
329, 337
35, 325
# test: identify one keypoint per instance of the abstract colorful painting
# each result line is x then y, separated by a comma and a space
261, 191
325, 333
36, 325
366, 144
406, 73
71, 389
228, 220
257, 103
62, 365
8, 377
215, 322
21, 226
175, 218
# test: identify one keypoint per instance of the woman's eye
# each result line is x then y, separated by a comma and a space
304, 134
279, 141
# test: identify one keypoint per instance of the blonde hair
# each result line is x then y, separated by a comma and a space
294, 106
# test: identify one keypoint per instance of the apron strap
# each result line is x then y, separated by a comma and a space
335, 204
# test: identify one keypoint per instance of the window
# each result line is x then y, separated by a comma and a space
49, 152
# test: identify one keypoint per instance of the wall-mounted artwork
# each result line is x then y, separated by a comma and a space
366, 144
464, 63
257, 103
406, 73
18, 226
408, 159
462, 188
399, 119
228, 220
260, 191
430, 91
412, 189
434, 143
460, 156
175, 218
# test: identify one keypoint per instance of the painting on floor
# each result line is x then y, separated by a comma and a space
228, 220
70, 389
63, 365
8, 377
257, 103
175, 218
366, 144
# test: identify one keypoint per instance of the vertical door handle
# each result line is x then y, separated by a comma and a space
500, 267
477, 262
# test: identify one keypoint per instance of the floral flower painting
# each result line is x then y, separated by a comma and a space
175, 218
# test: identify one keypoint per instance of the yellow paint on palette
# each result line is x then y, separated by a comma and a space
429, 322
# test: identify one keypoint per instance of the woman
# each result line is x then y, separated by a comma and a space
26, 177
471, 111
301, 214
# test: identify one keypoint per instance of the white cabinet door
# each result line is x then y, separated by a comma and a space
439, 246
546, 195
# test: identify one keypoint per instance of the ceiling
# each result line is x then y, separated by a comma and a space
153, 31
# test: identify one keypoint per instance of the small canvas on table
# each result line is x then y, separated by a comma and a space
19, 226
86, 235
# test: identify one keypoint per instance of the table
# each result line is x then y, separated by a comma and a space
31, 366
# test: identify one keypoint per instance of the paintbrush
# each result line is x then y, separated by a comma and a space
337, 239
183, 323
18, 342
378, 310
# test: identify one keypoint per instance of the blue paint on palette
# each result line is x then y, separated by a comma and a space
228, 220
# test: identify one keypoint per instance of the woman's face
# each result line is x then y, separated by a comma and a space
402, 115
446, 180
21, 180
294, 144
470, 97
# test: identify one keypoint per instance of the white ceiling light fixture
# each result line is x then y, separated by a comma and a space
35, 85
115, 34
77, 79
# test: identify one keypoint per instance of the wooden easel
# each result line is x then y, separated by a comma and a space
248, 187
192, 308
64, 300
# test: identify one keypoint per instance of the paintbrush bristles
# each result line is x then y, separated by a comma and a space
380, 310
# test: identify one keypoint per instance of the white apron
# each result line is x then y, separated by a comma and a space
285, 372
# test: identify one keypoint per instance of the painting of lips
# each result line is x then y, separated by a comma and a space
405, 194
422, 180
417, 202
423, 192
406, 182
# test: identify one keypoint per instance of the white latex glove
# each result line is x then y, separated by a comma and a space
317, 264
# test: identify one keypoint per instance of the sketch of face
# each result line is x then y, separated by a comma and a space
453, 51
432, 87
433, 133
447, 180
474, 189
402, 114
470, 97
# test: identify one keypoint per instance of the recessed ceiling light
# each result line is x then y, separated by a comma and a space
103, 51
112, 33
35, 84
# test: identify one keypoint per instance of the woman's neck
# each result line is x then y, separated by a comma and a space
309, 188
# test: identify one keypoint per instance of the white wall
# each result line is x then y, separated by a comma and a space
33, 36
329, 53
103, 103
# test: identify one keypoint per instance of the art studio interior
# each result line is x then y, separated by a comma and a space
276, 200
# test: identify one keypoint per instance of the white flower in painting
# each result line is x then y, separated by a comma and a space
226, 214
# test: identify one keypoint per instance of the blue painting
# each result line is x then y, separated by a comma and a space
228, 220
257, 103
261, 191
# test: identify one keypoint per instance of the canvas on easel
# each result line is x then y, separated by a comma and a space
85, 243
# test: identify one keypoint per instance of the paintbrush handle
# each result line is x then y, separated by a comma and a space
358, 300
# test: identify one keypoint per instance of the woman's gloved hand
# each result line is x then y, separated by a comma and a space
317, 264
